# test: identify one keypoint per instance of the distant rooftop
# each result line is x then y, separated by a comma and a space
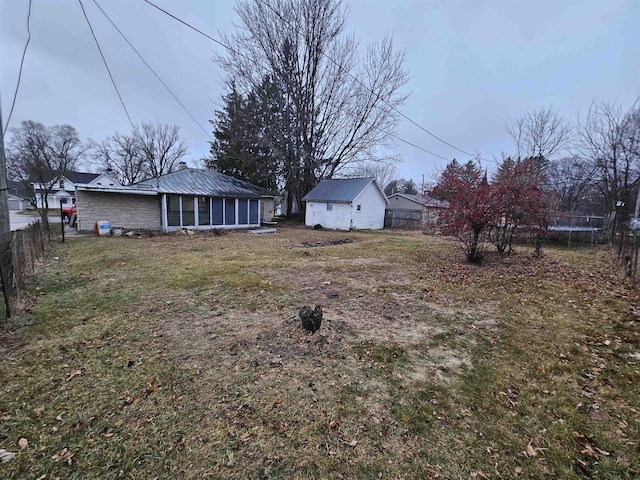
422, 200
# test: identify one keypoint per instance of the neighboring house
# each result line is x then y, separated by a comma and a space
17, 196
186, 198
64, 191
15, 202
343, 204
404, 206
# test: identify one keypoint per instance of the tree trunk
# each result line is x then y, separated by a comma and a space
473, 253
44, 216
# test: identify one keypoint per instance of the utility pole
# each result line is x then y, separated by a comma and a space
5, 225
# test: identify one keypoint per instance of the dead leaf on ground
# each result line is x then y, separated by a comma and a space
352, 443
73, 374
596, 415
6, 456
480, 474
530, 451
63, 455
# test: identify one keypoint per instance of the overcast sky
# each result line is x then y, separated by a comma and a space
474, 65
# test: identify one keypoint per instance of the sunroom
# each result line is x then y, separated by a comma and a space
204, 212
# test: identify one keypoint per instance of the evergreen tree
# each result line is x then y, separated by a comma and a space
410, 187
247, 145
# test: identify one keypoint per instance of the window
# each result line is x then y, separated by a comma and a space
188, 212
61, 184
359, 207
243, 211
173, 210
64, 201
329, 206
229, 211
253, 212
217, 211
204, 211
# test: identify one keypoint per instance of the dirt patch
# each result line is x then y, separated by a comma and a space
325, 243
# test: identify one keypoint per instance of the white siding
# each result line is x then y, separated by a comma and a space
338, 218
344, 216
372, 206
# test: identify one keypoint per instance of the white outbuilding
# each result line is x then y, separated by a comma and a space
346, 203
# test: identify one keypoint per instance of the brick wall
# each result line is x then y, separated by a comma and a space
122, 210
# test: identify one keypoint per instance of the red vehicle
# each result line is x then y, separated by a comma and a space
68, 213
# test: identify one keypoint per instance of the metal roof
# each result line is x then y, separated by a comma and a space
339, 190
426, 201
193, 181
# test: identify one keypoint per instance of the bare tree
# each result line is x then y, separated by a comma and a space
383, 171
610, 140
160, 146
571, 181
122, 155
343, 107
39, 156
540, 134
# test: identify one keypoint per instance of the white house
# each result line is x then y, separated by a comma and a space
64, 192
346, 203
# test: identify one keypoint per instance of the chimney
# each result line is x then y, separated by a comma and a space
182, 165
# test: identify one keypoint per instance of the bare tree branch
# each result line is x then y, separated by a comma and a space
39, 156
336, 121
540, 134
610, 141
160, 146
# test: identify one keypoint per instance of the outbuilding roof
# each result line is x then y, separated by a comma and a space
340, 190
422, 200
194, 181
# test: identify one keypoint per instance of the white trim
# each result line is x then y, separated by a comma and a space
196, 213
164, 221
132, 191
374, 181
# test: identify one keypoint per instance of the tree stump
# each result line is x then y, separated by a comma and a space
311, 319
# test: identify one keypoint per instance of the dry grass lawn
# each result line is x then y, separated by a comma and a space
182, 357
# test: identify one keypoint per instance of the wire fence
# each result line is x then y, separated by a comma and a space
626, 243
20, 255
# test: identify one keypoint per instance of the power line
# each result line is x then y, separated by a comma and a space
151, 69
244, 56
24, 52
369, 88
418, 147
105, 63
215, 40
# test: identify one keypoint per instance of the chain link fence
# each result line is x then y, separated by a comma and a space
20, 253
